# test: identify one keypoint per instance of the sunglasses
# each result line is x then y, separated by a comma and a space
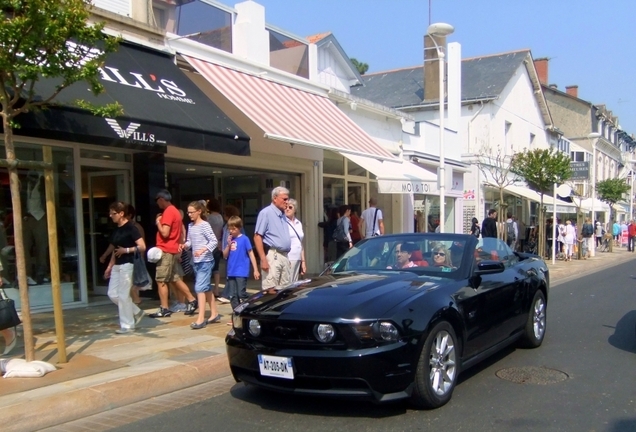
439, 254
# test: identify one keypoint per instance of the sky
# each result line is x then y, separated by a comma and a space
589, 43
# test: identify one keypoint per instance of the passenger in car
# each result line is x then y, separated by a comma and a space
403, 253
441, 257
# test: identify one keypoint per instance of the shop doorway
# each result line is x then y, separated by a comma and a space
100, 188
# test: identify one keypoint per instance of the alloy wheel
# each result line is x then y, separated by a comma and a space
442, 363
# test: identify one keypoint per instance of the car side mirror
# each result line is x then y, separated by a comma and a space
489, 267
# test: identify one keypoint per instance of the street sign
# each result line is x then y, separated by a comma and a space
580, 170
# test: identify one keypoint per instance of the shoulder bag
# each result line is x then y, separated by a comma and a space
375, 216
141, 278
8, 315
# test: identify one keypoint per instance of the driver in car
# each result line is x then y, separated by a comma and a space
403, 252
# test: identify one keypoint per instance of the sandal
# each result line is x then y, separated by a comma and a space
214, 320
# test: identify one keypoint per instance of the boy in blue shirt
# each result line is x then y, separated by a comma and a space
239, 255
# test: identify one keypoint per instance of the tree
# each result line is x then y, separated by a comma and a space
541, 169
496, 168
44, 39
362, 67
611, 191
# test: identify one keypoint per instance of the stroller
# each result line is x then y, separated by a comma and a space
605, 245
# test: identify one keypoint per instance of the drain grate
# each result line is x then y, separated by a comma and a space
532, 375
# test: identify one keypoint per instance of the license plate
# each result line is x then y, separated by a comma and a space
279, 367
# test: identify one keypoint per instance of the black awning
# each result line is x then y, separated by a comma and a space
162, 107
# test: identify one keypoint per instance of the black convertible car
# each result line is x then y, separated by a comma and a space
397, 316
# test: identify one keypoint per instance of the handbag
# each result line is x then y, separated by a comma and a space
141, 278
8, 315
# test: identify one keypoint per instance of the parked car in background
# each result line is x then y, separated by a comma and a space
396, 317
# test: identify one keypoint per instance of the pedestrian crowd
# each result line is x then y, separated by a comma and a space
187, 259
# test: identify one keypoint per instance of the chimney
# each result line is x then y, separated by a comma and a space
431, 67
541, 65
572, 90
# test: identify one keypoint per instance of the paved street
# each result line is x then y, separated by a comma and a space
590, 345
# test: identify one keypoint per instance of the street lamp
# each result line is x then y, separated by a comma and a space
441, 30
593, 136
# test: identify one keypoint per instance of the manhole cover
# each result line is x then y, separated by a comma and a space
532, 375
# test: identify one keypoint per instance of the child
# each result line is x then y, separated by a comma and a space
203, 242
239, 255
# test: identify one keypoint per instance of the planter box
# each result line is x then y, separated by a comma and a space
42, 295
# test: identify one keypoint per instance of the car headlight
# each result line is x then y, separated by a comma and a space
383, 331
237, 322
389, 332
254, 327
325, 333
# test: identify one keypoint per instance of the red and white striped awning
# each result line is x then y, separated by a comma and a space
291, 115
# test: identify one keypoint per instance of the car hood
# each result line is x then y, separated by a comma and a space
346, 296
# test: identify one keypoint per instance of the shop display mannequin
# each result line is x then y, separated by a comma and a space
35, 229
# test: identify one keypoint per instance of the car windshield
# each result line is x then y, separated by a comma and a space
425, 253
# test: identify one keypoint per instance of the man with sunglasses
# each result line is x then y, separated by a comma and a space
272, 241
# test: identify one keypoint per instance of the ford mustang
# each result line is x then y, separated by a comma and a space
396, 317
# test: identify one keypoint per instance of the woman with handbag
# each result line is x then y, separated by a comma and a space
126, 241
297, 253
10, 334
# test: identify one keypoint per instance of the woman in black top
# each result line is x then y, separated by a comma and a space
124, 239
474, 229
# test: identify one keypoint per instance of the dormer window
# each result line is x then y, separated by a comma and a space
288, 53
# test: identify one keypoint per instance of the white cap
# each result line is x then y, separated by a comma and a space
154, 254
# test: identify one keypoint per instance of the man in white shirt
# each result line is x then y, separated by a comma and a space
371, 223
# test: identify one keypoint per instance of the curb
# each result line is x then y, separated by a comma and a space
62, 408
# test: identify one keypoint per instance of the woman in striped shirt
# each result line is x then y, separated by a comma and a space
202, 241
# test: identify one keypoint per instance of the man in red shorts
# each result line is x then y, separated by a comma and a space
169, 237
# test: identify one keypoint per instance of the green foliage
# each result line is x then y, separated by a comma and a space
362, 67
48, 39
541, 168
611, 190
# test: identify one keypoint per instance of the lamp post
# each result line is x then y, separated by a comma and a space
441, 30
593, 136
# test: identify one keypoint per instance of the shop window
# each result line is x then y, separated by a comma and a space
333, 163
35, 226
200, 22
333, 194
288, 54
355, 169
104, 155
428, 205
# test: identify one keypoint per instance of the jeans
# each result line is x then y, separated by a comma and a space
237, 288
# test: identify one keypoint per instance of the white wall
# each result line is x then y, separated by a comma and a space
331, 71
121, 7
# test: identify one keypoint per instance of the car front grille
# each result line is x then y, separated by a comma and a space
293, 334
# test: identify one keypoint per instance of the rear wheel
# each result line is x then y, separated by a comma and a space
437, 368
536, 325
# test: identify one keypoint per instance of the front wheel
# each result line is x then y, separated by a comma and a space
536, 324
437, 368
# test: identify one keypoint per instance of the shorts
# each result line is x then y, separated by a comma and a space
202, 273
168, 268
218, 256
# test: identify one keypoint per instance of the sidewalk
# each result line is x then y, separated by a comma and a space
105, 370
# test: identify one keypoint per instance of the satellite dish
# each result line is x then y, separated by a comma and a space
564, 190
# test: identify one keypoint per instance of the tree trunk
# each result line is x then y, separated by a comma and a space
541, 231
20, 262
502, 216
610, 228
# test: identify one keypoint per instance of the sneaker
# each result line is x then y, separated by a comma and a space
124, 331
178, 307
31, 281
161, 313
191, 308
138, 317
222, 300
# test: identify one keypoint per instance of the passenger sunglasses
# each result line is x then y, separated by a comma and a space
440, 253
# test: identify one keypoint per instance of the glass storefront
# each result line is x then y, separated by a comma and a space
35, 226
427, 213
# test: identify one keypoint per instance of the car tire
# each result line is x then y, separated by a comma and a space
437, 368
534, 332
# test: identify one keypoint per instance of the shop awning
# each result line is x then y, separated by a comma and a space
287, 114
162, 107
400, 177
548, 200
